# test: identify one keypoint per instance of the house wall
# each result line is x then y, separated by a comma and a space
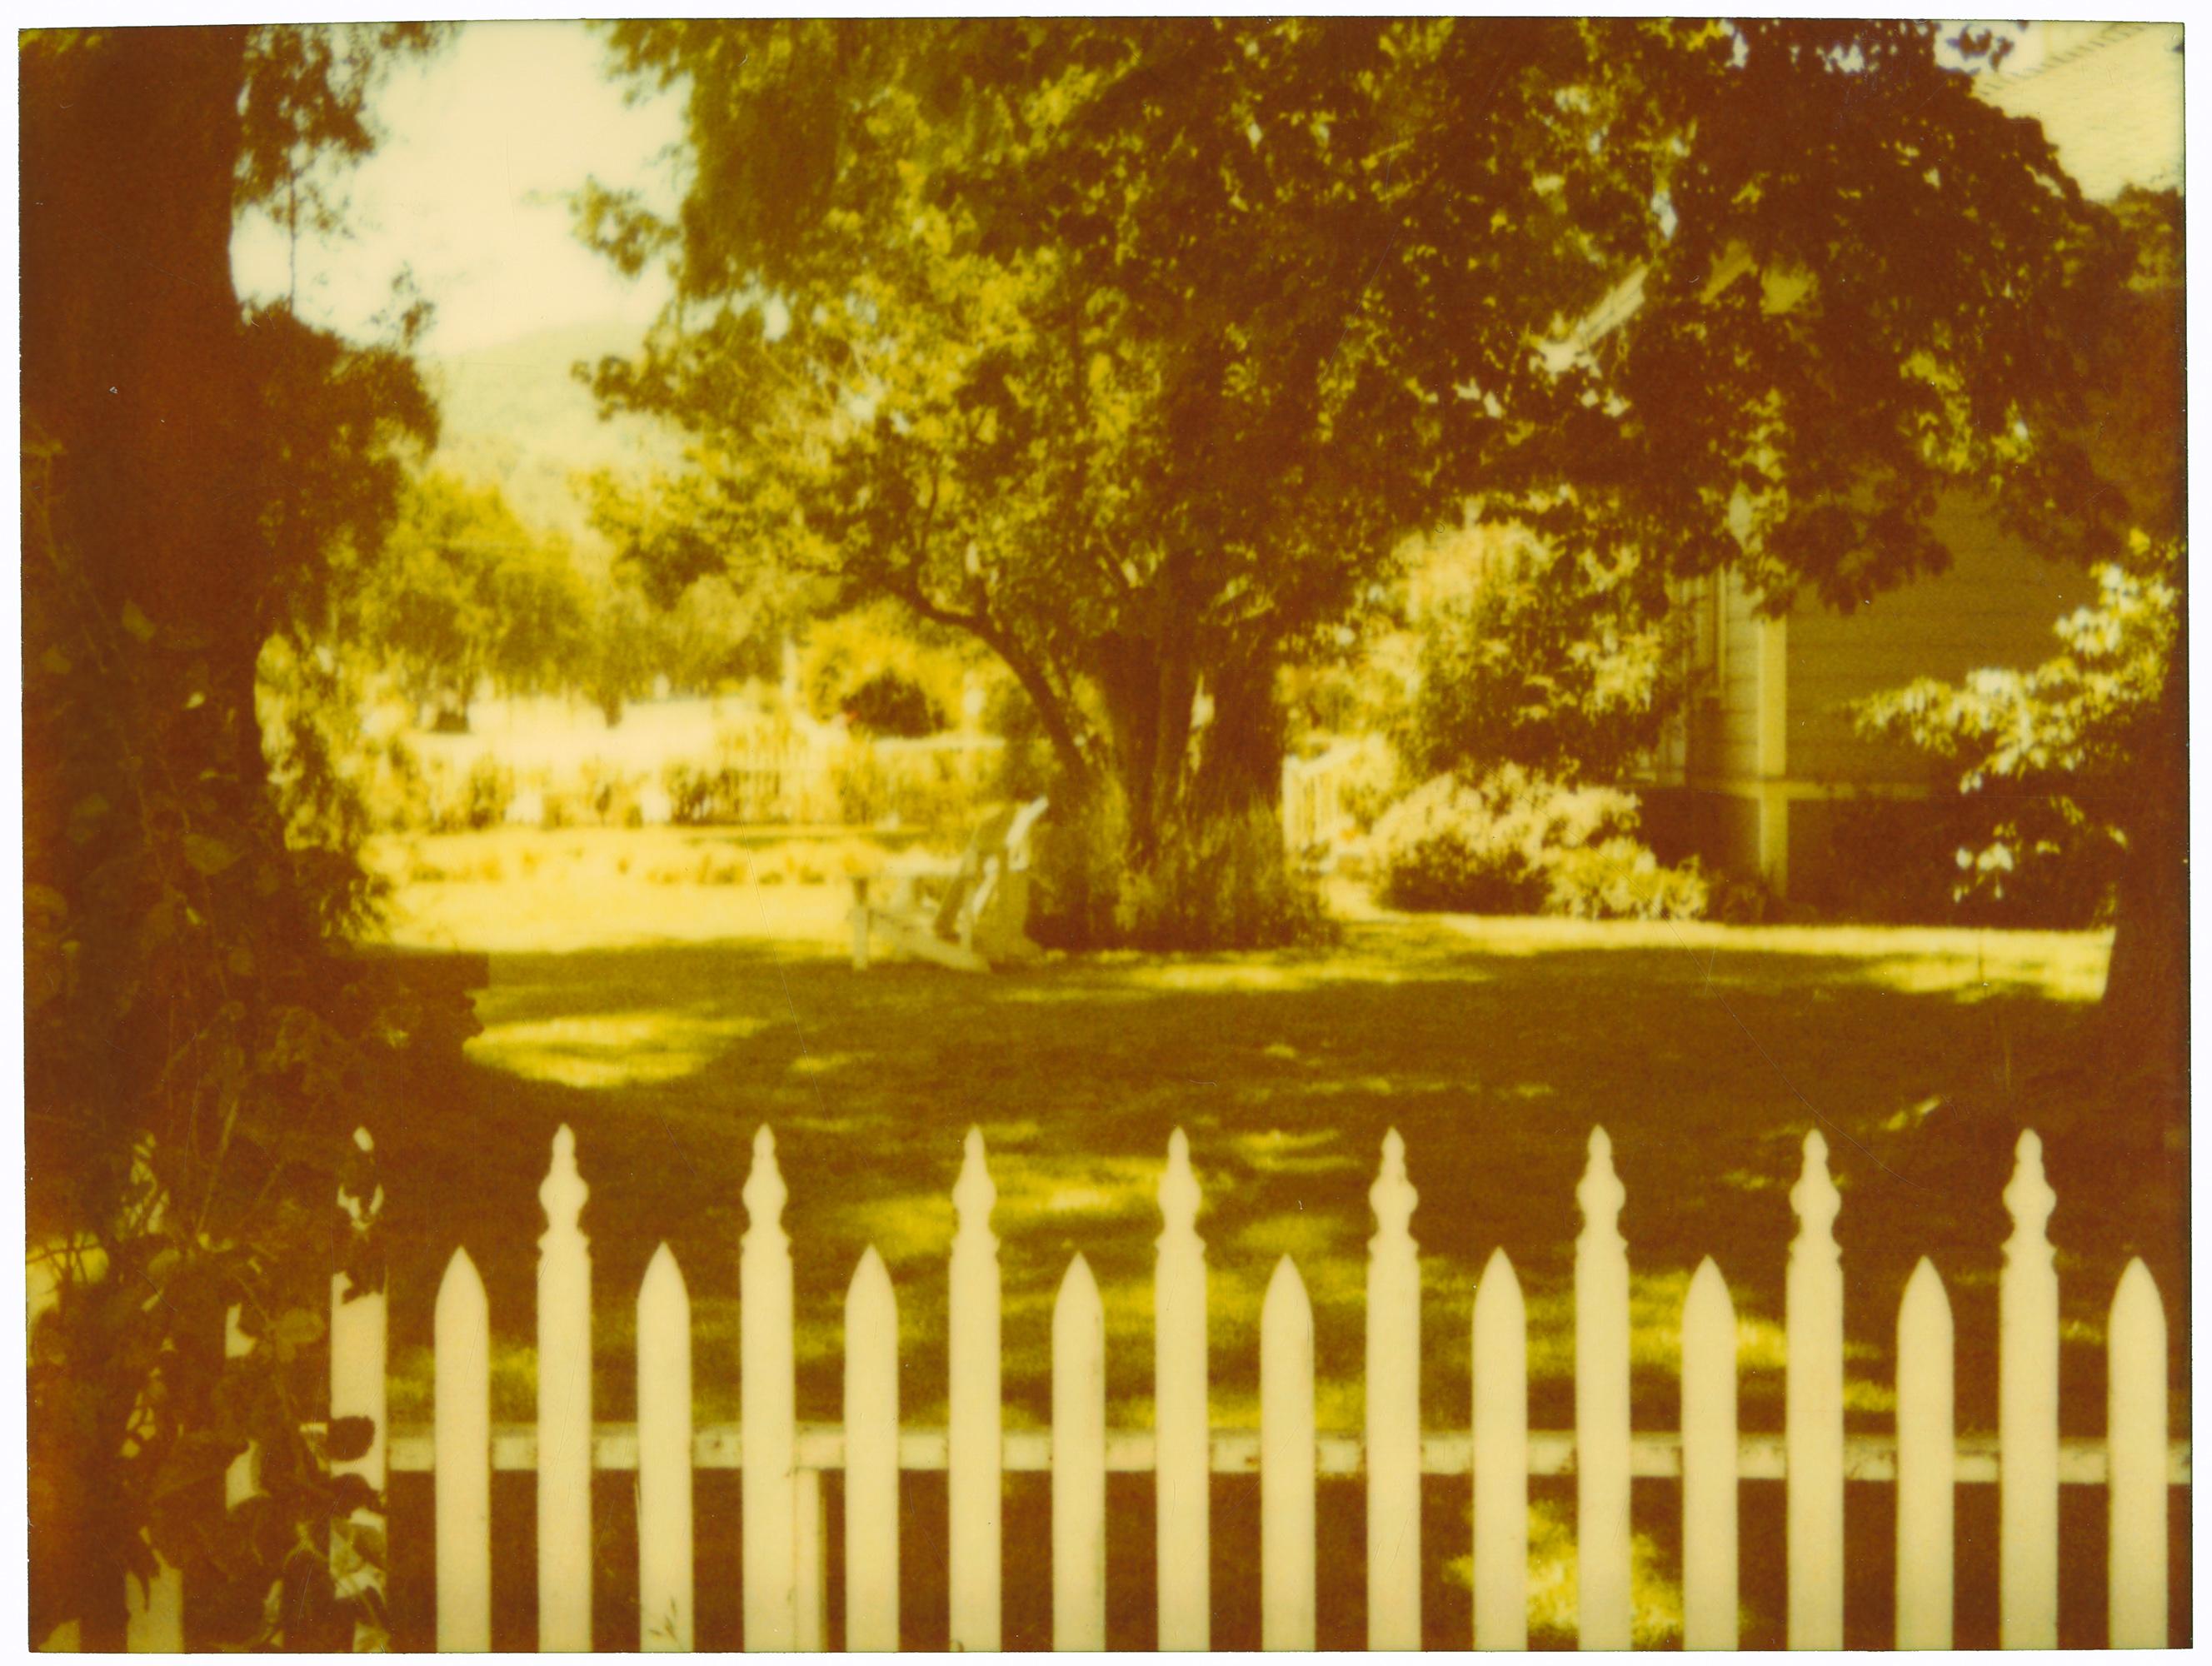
1995, 606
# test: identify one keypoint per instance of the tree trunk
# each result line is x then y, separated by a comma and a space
133, 350
2145, 1018
134, 379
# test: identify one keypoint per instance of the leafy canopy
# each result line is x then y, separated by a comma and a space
1060, 330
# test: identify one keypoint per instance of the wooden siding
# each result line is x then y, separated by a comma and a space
1996, 606
1736, 736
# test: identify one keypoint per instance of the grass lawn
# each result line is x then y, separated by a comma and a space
666, 1020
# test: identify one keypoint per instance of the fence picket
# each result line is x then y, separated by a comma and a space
973, 1486
1501, 1458
872, 1517
1604, 1617
1079, 1462
664, 1457
1814, 1407
766, 1391
2027, 1412
810, 1588
1709, 1476
358, 1343
564, 1408
1286, 1463
461, 1392
1926, 1462
2135, 1425
1184, 1481
1394, 1409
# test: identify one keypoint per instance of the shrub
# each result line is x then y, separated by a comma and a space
486, 793
891, 704
1520, 843
1621, 879
878, 645
1223, 885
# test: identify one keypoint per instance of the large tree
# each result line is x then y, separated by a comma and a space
195, 1056
1135, 348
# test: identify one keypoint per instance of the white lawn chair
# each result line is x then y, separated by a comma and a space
968, 913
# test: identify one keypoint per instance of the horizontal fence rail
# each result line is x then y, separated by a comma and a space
782, 1461
1653, 1454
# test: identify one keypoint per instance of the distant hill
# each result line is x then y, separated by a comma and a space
514, 416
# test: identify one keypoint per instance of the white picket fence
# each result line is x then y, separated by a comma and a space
782, 1461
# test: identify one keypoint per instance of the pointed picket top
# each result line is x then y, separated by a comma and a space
461, 1289
765, 1194
2136, 1301
1926, 1305
1391, 1196
1815, 1199
1497, 1283
1601, 1194
870, 1290
1286, 1295
1708, 1305
2028, 1199
564, 1192
663, 1287
973, 1193
1078, 1292
1179, 1194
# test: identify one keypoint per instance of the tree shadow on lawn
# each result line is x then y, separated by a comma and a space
1706, 1064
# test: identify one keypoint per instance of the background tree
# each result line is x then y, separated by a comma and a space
1559, 663
1135, 349
460, 591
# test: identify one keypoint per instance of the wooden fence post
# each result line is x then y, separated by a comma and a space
1605, 1617
1710, 1573
2027, 1412
664, 1574
564, 1409
872, 1484
1288, 1456
765, 1395
2134, 1427
1814, 1403
1394, 1409
1180, 1416
1501, 1458
461, 1392
973, 1483
1927, 1461
1079, 1463
358, 1344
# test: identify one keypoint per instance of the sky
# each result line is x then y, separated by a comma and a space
481, 141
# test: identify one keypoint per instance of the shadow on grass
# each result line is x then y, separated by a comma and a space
1494, 1054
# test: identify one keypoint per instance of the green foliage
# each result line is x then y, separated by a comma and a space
461, 591
1559, 663
195, 1057
919, 679
887, 703
196, 1052
1516, 842
2043, 758
1224, 884
1135, 348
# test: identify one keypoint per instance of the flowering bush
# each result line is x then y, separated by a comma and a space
1520, 843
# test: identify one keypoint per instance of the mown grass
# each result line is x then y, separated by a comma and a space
666, 1022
